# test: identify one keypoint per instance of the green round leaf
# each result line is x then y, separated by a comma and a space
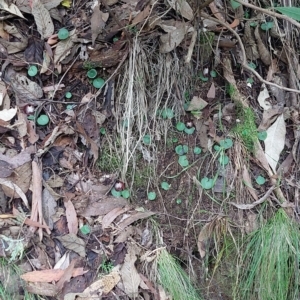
217, 147
42, 120
202, 77
213, 73
115, 39
186, 105
189, 130
92, 73
165, 186
183, 161
197, 150
63, 33
167, 113
102, 130
266, 26
178, 201
31, 118
85, 229
223, 160
252, 65
125, 194
235, 4
147, 139
226, 144
151, 196
207, 183
260, 180
115, 193
181, 149
253, 24
250, 80
180, 126
68, 95
32, 71
174, 140
98, 83
262, 135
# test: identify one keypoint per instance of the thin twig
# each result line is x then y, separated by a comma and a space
244, 58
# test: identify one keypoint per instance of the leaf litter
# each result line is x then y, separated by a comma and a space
56, 179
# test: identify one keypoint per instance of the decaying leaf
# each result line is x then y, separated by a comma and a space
42, 19
71, 216
130, 276
183, 8
98, 22
25, 89
197, 103
11, 8
49, 275
203, 236
24, 5
72, 242
274, 143
48, 207
63, 48
173, 38
264, 97
264, 53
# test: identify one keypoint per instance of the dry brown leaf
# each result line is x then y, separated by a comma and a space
72, 242
203, 237
19, 159
141, 16
134, 217
42, 288
71, 216
269, 116
42, 19
264, 54
248, 183
130, 277
197, 103
24, 5
173, 38
112, 215
67, 275
183, 8
98, 22
20, 181
49, 207
211, 94
49, 275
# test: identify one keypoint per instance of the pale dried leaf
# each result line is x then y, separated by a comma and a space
211, 94
62, 50
42, 19
8, 114
71, 217
24, 5
264, 97
173, 38
129, 274
134, 217
274, 143
6, 169
49, 275
49, 207
11, 185
269, 116
203, 237
141, 16
72, 242
183, 8
197, 103
12, 9
22, 124
4, 98
248, 183
19, 182
25, 89
111, 216
98, 22
263, 51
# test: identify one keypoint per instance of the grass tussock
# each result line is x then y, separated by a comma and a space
270, 264
174, 279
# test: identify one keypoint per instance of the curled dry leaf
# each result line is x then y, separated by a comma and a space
183, 8
25, 89
98, 22
274, 143
42, 19
63, 48
11, 8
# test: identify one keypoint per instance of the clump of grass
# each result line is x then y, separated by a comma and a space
270, 269
246, 128
174, 279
